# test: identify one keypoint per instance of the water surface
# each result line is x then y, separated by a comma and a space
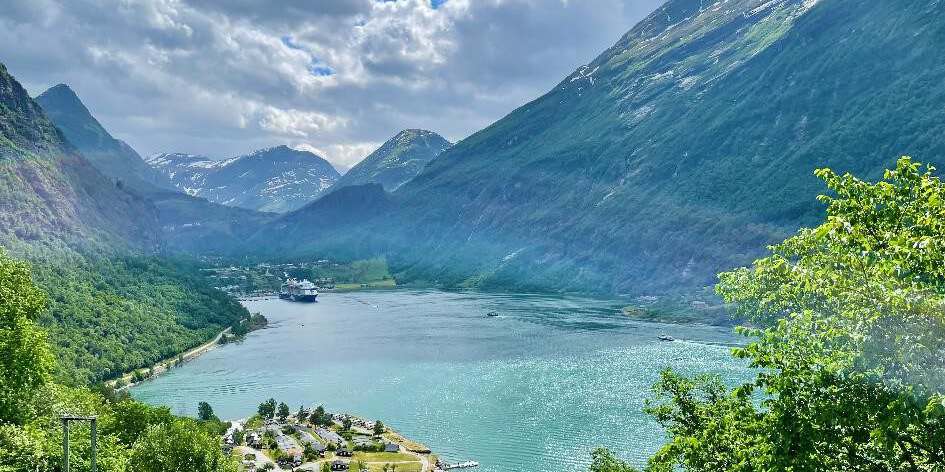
532, 390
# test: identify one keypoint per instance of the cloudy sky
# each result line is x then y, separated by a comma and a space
338, 77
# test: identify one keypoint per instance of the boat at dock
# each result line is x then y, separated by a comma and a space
298, 290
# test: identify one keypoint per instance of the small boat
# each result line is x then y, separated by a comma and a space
665, 337
492, 314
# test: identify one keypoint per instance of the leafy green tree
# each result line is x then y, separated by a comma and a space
318, 416
20, 451
346, 424
180, 445
25, 359
205, 412
847, 340
267, 409
378, 428
283, 411
301, 415
326, 467
128, 420
603, 460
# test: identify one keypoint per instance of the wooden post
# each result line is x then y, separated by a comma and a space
65, 439
65, 445
94, 441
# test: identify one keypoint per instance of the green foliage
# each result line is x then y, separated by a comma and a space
25, 359
107, 316
128, 420
378, 428
283, 411
179, 445
849, 337
267, 409
603, 460
20, 451
132, 436
205, 412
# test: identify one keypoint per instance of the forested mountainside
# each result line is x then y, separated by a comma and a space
679, 152
187, 224
51, 195
112, 157
276, 179
112, 304
397, 161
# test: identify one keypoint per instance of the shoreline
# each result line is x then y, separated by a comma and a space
164, 365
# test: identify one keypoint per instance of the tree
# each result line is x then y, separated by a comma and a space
205, 412
267, 409
378, 428
326, 467
346, 424
283, 411
180, 445
128, 420
25, 359
603, 460
318, 416
847, 339
301, 415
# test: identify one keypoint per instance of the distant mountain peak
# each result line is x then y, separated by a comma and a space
398, 160
276, 179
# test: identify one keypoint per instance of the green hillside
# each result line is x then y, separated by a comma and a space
678, 153
113, 305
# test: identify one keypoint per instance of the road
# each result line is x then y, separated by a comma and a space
162, 366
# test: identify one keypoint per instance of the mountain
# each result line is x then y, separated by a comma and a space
400, 159
112, 157
679, 152
51, 195
91, 240
184, 223
276, 179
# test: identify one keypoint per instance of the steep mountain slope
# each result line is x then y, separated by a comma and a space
680, 151
111, 305
112, 157
400, 159
51, 195
276, 179
187, 223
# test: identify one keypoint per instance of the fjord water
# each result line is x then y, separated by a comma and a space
534, 389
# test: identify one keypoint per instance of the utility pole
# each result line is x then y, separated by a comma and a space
66, 419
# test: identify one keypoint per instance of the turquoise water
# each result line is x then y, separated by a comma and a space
533, 390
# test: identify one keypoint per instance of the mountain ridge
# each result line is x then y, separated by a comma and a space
112, 157
273, 179
397, 161
679, 152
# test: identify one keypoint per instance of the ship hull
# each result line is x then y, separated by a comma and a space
304, 298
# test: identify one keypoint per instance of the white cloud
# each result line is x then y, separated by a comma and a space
224, 77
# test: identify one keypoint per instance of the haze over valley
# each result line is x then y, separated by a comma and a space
602, 236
